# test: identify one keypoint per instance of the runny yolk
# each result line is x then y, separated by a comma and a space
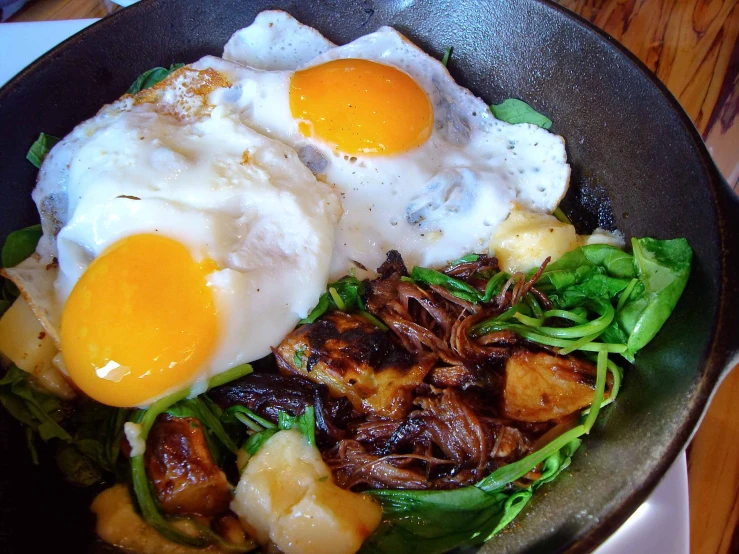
361, 107
140, 322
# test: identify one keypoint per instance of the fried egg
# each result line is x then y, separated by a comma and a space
178, 243
188, 228
421, 164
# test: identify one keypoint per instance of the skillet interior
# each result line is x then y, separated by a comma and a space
623, 136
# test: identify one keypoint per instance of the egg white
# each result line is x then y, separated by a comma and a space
203, 178
432, 203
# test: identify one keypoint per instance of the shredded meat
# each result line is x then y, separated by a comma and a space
467, 270
444, 439
426, 404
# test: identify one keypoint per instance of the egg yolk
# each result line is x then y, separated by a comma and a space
361, 107
140, 322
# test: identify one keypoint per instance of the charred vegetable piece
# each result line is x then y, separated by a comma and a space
353, 358
540, 387
182, 469
268, 394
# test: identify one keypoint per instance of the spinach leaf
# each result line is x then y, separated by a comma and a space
40, 412
457, 287
447, 55
20, 245
256, 441
663, 268
97, 431
40, 148
432, 522
642, 288
465, 259
197, 408
345, 295
305, 423
76, 467
89, 438
516, 111
591, 282
152, 77
437, 521
264, 429
575, 266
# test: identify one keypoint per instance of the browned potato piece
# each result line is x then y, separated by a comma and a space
353, 358
119, 524
540, 387
182, 470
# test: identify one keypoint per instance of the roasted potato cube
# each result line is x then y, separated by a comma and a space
526, 239
182, 470
120, 525
540, 387
353, 358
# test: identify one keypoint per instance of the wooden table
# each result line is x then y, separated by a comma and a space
692, 47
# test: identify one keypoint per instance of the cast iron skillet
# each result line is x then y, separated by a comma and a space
637, 162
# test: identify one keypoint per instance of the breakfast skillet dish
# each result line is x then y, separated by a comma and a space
311, 298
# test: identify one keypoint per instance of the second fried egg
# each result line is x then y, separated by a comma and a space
421, 164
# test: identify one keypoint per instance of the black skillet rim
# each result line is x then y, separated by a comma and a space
713, 369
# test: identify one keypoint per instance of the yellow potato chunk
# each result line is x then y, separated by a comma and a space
526, 239
286, 496
540, 387
120, 525
25, 343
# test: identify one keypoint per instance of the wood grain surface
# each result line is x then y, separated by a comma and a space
692, 46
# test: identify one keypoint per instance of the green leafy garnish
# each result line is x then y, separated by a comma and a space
203, 412
559, 214
305, 423
663, 268
20, 245
76, 467
457, 287
345, 295
88, 439
264, 429
642, 290
152, 77
37, 410
516, 111
247, 417
372, 319
465, 259
433, 522
230, 375
447, 54
40, 148
298, 357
